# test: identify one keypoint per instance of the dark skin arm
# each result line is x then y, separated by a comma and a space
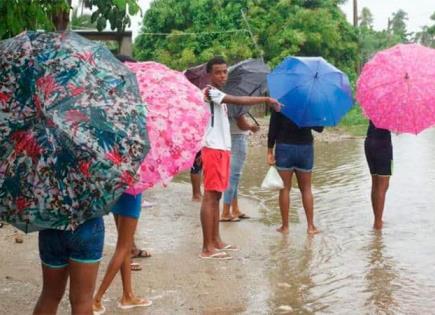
243, 124
250, 100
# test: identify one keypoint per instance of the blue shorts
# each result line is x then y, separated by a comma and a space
128, 206
291, 157
83, 245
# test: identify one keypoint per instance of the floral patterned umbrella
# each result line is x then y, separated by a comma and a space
72, 130
396, 88
176, 122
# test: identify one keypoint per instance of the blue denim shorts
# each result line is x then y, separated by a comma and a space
128, 206
83, 245
298, 157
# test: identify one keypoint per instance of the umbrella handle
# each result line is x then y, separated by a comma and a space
252, 117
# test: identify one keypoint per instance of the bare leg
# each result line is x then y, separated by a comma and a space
196, 186
304, 183
208, 209
126, 227
82, 287
284, 200
226, 212
235, 206
53, 289
380, 186
217, 241
128, 297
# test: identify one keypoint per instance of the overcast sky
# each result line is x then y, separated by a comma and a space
419, 12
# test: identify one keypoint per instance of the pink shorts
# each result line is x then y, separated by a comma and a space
216, 169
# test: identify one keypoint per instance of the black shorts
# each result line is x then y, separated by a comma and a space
197, 164
379, 155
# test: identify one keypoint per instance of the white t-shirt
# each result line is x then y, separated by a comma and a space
218, 136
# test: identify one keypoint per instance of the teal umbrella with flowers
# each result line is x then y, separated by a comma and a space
72, 130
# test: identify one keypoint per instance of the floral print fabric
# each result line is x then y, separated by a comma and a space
176, 123
72, 130
396, 88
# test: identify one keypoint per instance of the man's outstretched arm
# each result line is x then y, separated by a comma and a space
251, 100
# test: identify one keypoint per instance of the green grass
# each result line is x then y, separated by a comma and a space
354, 122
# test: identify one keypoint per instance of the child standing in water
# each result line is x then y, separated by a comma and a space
379, 154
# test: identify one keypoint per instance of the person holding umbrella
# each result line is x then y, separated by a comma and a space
216, 156
315, 94
72, 137
379, 154
247, 77
396, 91
294, 153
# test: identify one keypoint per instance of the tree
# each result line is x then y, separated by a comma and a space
366, 19
280, 28
82, 21
427, 34
19, 15
398, 25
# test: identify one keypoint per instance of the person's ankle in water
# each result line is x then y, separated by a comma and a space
283, 229
312, 230
378, 225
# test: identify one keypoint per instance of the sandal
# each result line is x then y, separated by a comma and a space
140, 253
141, 303
233, 219
135, 267
217, 256
228, 247
244, 216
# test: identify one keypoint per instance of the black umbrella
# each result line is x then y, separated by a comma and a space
247, 77
198, 76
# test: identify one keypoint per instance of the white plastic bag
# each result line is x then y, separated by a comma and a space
272, 181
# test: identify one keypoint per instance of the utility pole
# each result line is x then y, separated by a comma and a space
355, 24
355, 13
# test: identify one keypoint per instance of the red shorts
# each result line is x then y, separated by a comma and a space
216, 169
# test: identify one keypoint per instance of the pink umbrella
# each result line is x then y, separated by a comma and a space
396, 88
176, 123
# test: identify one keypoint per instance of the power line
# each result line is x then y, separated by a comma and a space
192, 33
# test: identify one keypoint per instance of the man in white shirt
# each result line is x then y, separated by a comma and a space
216, 155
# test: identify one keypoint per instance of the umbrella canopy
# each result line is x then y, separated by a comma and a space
72, 130
176, 121
396, 88
248, 77
314, 92
198, 76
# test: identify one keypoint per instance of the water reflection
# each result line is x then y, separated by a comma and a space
290, 274
349, 269
381, 278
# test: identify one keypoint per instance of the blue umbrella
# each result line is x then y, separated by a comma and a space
314, 92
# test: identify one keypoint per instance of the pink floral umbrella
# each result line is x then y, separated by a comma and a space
176, 123
396, 88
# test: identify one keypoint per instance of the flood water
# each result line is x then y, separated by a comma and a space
349, 268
